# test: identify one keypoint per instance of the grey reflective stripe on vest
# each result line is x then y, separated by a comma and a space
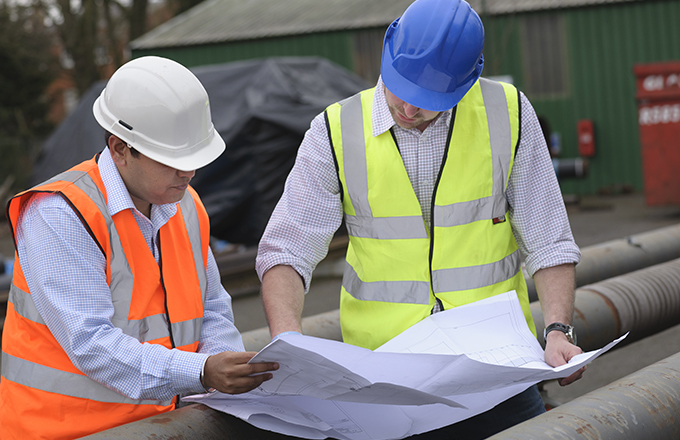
192, 224
411, 292
62, 382
500, 135
363, 224
386, 227
464, 213
23, 304
156, 327
187, 332
474, 277
500, 132
354, 159
68, 176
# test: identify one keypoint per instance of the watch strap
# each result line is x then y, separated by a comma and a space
564, 328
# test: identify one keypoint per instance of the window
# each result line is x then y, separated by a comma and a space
545, 55
367, 53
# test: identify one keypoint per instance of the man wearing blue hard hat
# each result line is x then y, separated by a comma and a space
444, 182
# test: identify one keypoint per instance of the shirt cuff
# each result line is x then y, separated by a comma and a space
202, 379
263, 264
564, 253
186, 370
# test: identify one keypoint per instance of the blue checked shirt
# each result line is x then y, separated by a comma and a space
65, 271
310, 210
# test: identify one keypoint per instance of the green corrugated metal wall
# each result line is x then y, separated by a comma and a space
336, 46
603, 44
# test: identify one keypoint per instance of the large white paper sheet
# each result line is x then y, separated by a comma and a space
448, 367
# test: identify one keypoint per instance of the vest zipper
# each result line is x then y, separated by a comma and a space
165, 291
432, 205
177, 398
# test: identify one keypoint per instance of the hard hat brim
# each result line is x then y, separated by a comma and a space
197, 157
192, 161
419, 96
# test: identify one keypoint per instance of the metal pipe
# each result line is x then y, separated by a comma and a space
643, 405
642, 302
192, 422
617, 257
640, 406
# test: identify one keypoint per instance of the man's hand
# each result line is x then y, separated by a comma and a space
558, 351
230, 372
555, 287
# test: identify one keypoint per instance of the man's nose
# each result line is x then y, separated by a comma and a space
185, 174
410, 111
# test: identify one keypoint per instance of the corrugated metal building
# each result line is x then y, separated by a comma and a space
573, 58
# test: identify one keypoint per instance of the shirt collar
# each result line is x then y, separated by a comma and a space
382, 118
118, 197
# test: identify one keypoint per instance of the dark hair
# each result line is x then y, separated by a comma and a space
134, 152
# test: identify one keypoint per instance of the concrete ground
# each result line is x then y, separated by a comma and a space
594, 219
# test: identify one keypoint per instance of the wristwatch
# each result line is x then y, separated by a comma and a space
564, 328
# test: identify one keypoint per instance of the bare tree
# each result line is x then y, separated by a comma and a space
95, 33
27, 67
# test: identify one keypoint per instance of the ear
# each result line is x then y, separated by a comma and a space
119, 150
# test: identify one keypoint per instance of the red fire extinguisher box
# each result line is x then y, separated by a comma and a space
658, 98
586, 138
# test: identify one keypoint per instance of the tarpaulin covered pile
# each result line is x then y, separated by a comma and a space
262, 109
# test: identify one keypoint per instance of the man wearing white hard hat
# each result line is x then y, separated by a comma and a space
116, 307
443, 181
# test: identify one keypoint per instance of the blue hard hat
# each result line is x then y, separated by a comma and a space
432, 54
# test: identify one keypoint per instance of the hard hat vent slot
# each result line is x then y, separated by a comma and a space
125, 124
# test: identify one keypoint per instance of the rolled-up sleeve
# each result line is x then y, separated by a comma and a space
309, 212
537, 211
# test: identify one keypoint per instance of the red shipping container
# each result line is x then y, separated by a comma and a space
658, 98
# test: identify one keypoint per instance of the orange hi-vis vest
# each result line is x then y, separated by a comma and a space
42, 393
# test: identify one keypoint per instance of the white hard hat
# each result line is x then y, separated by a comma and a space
160, 108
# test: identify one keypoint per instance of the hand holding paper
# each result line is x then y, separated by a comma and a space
448, 367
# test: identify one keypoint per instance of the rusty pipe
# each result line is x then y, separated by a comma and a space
645, 404
642, 405
191, 422
617, 257
641, 302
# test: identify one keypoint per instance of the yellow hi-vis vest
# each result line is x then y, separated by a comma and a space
396, 268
